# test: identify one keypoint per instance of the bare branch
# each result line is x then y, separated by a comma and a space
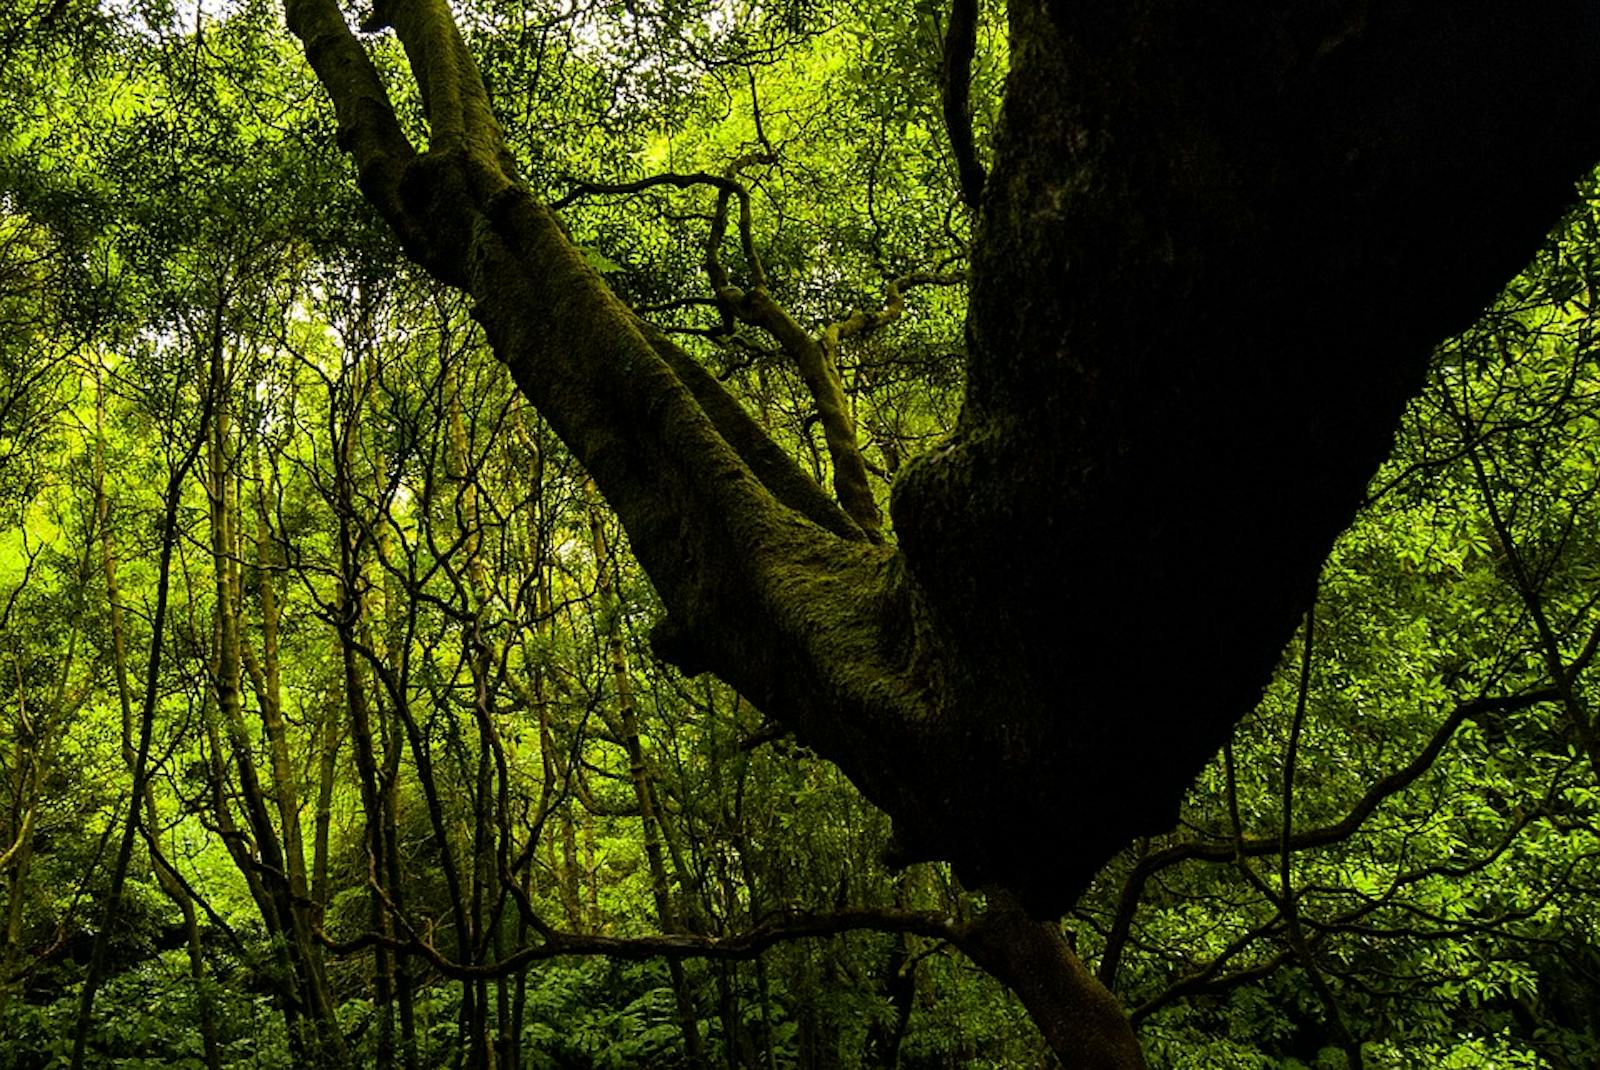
685, 180
779, 928
1223, 851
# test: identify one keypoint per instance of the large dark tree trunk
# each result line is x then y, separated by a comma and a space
1217, 246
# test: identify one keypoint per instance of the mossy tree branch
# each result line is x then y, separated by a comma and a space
814, 356
775, 590
802, 614
1214, 251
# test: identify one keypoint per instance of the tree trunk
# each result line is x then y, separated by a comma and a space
265, 675
1080, 1019
19, 857
139, 735
275, 845
1215, 249
374, 749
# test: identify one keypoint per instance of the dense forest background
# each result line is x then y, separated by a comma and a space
331, 734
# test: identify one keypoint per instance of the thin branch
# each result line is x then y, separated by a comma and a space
1227, 851
1288, 900
781, 928
677, 180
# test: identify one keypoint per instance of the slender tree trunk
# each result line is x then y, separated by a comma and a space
396, 692
324, 1042
265, 676
170, 885
145, 731
398, 621
19, 855
490, 817
375, 810
644, 797
31, 759
329, 740
346, 411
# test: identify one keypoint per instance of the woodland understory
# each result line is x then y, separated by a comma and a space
556, 533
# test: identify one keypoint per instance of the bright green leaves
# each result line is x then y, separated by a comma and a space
1453, 887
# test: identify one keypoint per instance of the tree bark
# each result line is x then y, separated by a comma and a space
1077, 1015
1216, 248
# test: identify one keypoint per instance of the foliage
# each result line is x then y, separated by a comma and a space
409, 719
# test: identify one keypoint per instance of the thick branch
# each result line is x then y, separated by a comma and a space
750, 565
460, 119
817, 364
368, 129
677, 180
770, 463
820, 373
1077, 1015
